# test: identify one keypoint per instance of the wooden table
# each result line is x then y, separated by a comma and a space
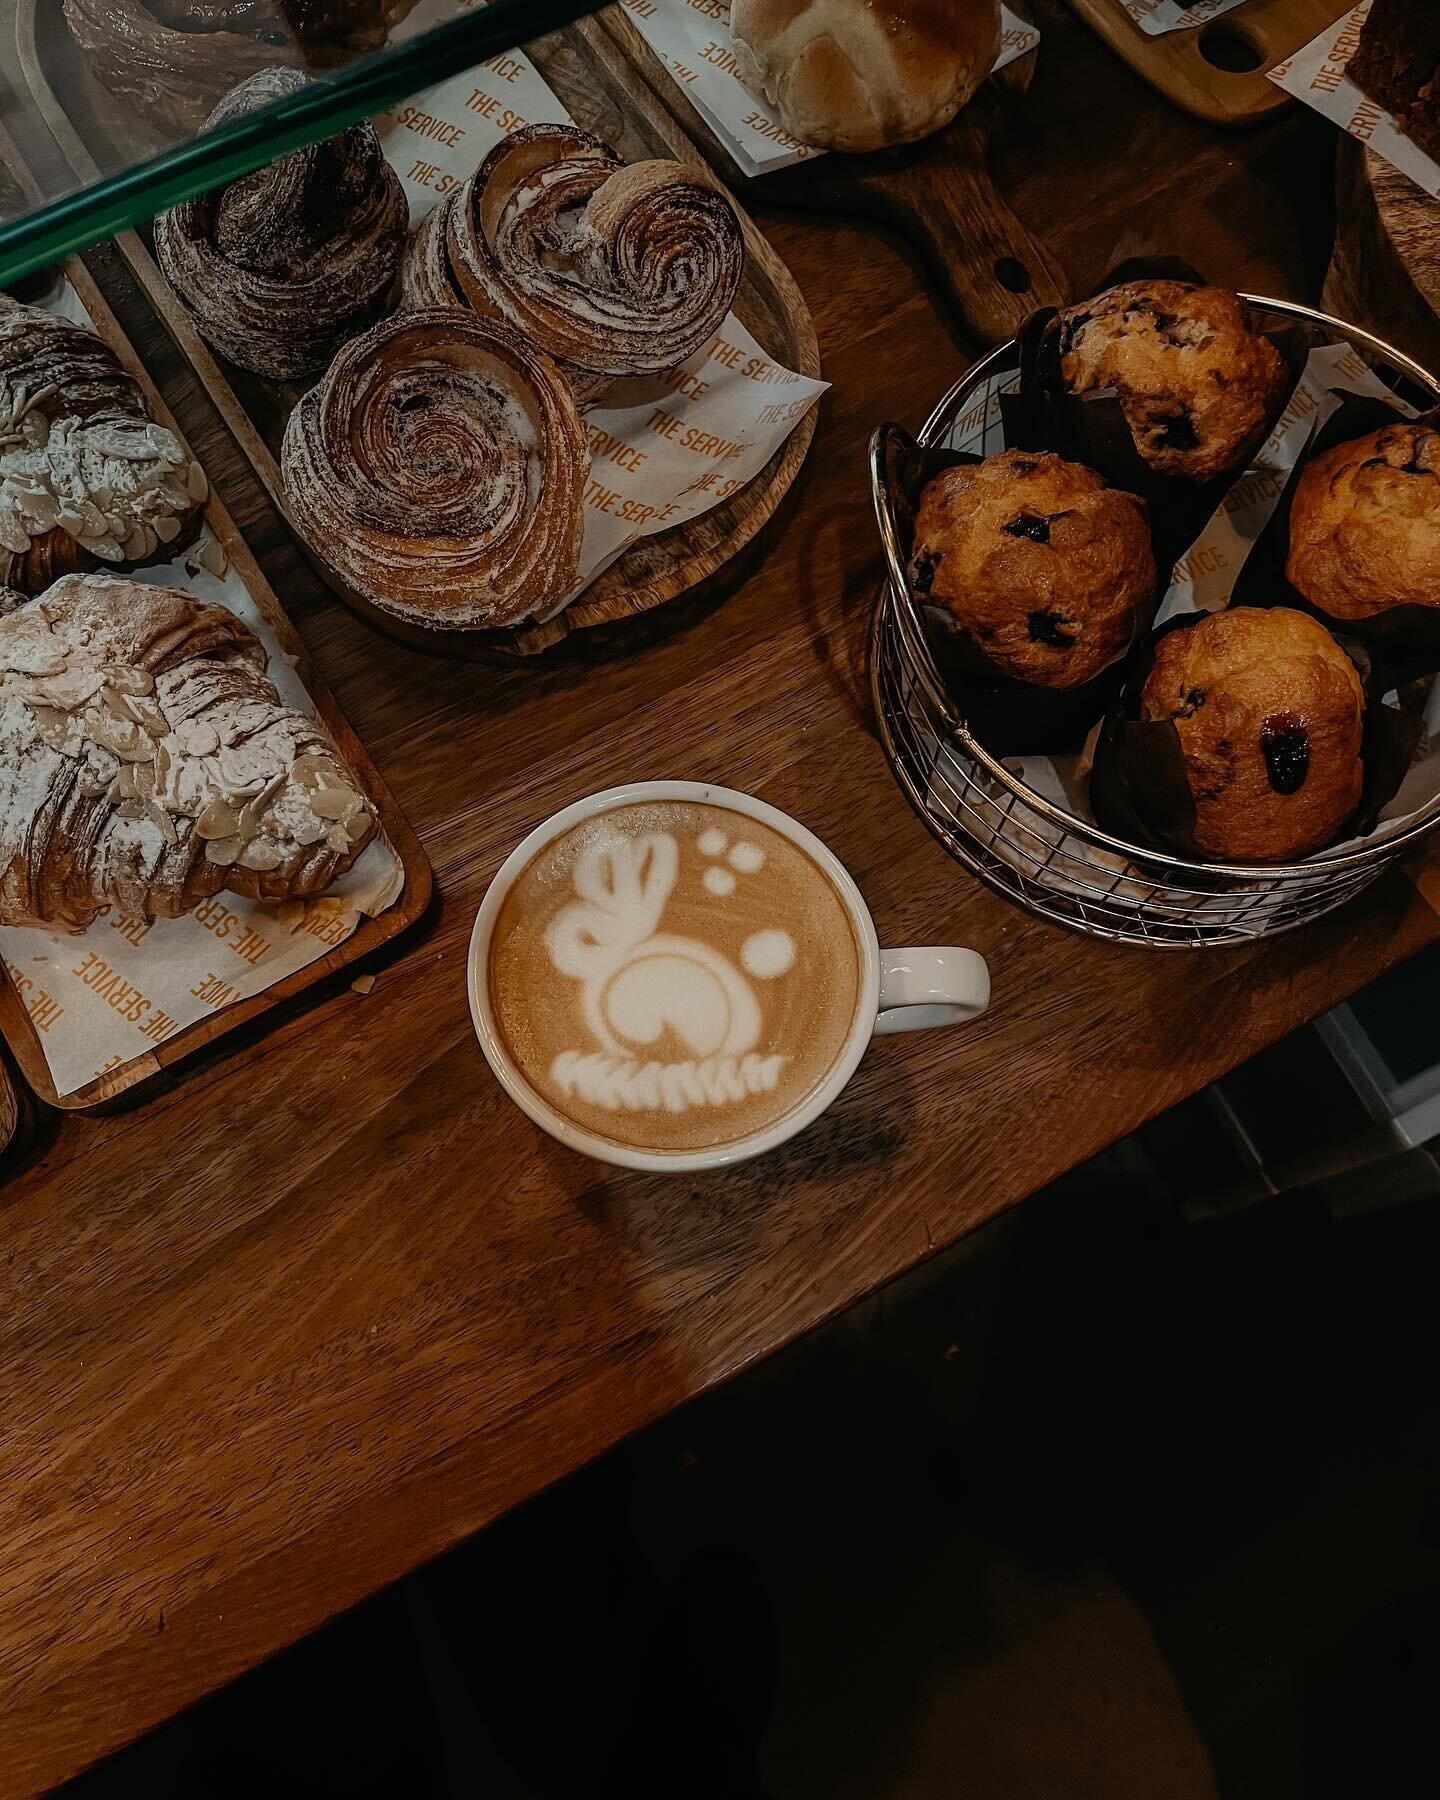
332, 1304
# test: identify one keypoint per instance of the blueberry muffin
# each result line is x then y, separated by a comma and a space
1196, 384
1046, 568
1269, 711
1365, 525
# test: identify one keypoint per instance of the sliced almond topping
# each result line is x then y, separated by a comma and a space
309, 768
218, 821
223, 850
260, 854
162, 819
337, 840
333, 803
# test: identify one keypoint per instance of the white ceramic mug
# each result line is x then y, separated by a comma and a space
900, 990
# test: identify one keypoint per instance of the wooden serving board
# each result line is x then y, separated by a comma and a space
92, 126
16, 1025
1216, 71
9, 1111
938, 195
1385, 270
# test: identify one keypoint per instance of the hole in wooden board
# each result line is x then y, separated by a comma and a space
1011, 273
1229, 48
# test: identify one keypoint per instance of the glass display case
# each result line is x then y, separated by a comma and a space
103, 103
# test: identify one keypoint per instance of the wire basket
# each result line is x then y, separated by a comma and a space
1017, 841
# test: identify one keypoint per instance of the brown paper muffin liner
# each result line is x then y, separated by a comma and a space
1139, 787
1404, 640
1007, 715
1091, 428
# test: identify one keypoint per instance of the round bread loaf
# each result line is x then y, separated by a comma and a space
1365, 524
1043, 566
862, 74
1269, 711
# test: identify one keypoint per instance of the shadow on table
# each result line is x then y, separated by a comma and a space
1099, 1506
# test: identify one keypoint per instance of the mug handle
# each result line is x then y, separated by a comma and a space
931, 984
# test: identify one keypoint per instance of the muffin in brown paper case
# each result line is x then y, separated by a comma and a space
1355, 537
1278, 742
1195, 388
1033, 578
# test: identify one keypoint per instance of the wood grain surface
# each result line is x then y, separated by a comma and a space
1386, 264
1190, 67
331, 1304
91, 128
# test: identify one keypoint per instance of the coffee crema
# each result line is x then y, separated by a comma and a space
674, 976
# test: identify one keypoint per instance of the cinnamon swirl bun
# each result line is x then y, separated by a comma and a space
173, 59
86, 476
437, 471
613, 269
281, 267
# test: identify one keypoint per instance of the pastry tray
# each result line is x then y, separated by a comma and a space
16, 1023
578, 64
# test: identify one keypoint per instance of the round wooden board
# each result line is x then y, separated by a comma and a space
1385, 270
96, 131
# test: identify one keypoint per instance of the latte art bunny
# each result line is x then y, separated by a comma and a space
639, 983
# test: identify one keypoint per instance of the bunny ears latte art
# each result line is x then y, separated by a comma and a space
674, 975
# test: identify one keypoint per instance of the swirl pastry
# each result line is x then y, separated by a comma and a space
438, 469
86, 476
173, 59
611, 268
281, 267
146, 762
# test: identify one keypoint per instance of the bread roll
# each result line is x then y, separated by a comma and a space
861, 74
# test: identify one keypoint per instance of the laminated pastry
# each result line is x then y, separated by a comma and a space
283, 266
86, 476
1046, 568
1397, 63
437, 471
173, 59
1269, 713
861, 74
146, 762
1365, 524
1196, 384
611, 268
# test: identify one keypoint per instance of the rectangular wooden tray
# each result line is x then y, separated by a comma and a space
15, 1022
90, 125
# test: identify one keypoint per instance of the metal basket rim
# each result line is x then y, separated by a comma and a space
896, 591
975, 860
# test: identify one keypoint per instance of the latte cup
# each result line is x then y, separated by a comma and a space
897, 990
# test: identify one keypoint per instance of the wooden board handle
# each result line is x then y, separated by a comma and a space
991, 270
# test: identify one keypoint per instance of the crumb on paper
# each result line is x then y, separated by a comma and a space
362, 984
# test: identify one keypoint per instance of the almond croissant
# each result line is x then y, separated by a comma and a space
146, 762
86, 476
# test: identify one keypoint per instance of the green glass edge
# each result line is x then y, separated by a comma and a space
135, 195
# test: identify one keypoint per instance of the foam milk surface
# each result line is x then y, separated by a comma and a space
674, 976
